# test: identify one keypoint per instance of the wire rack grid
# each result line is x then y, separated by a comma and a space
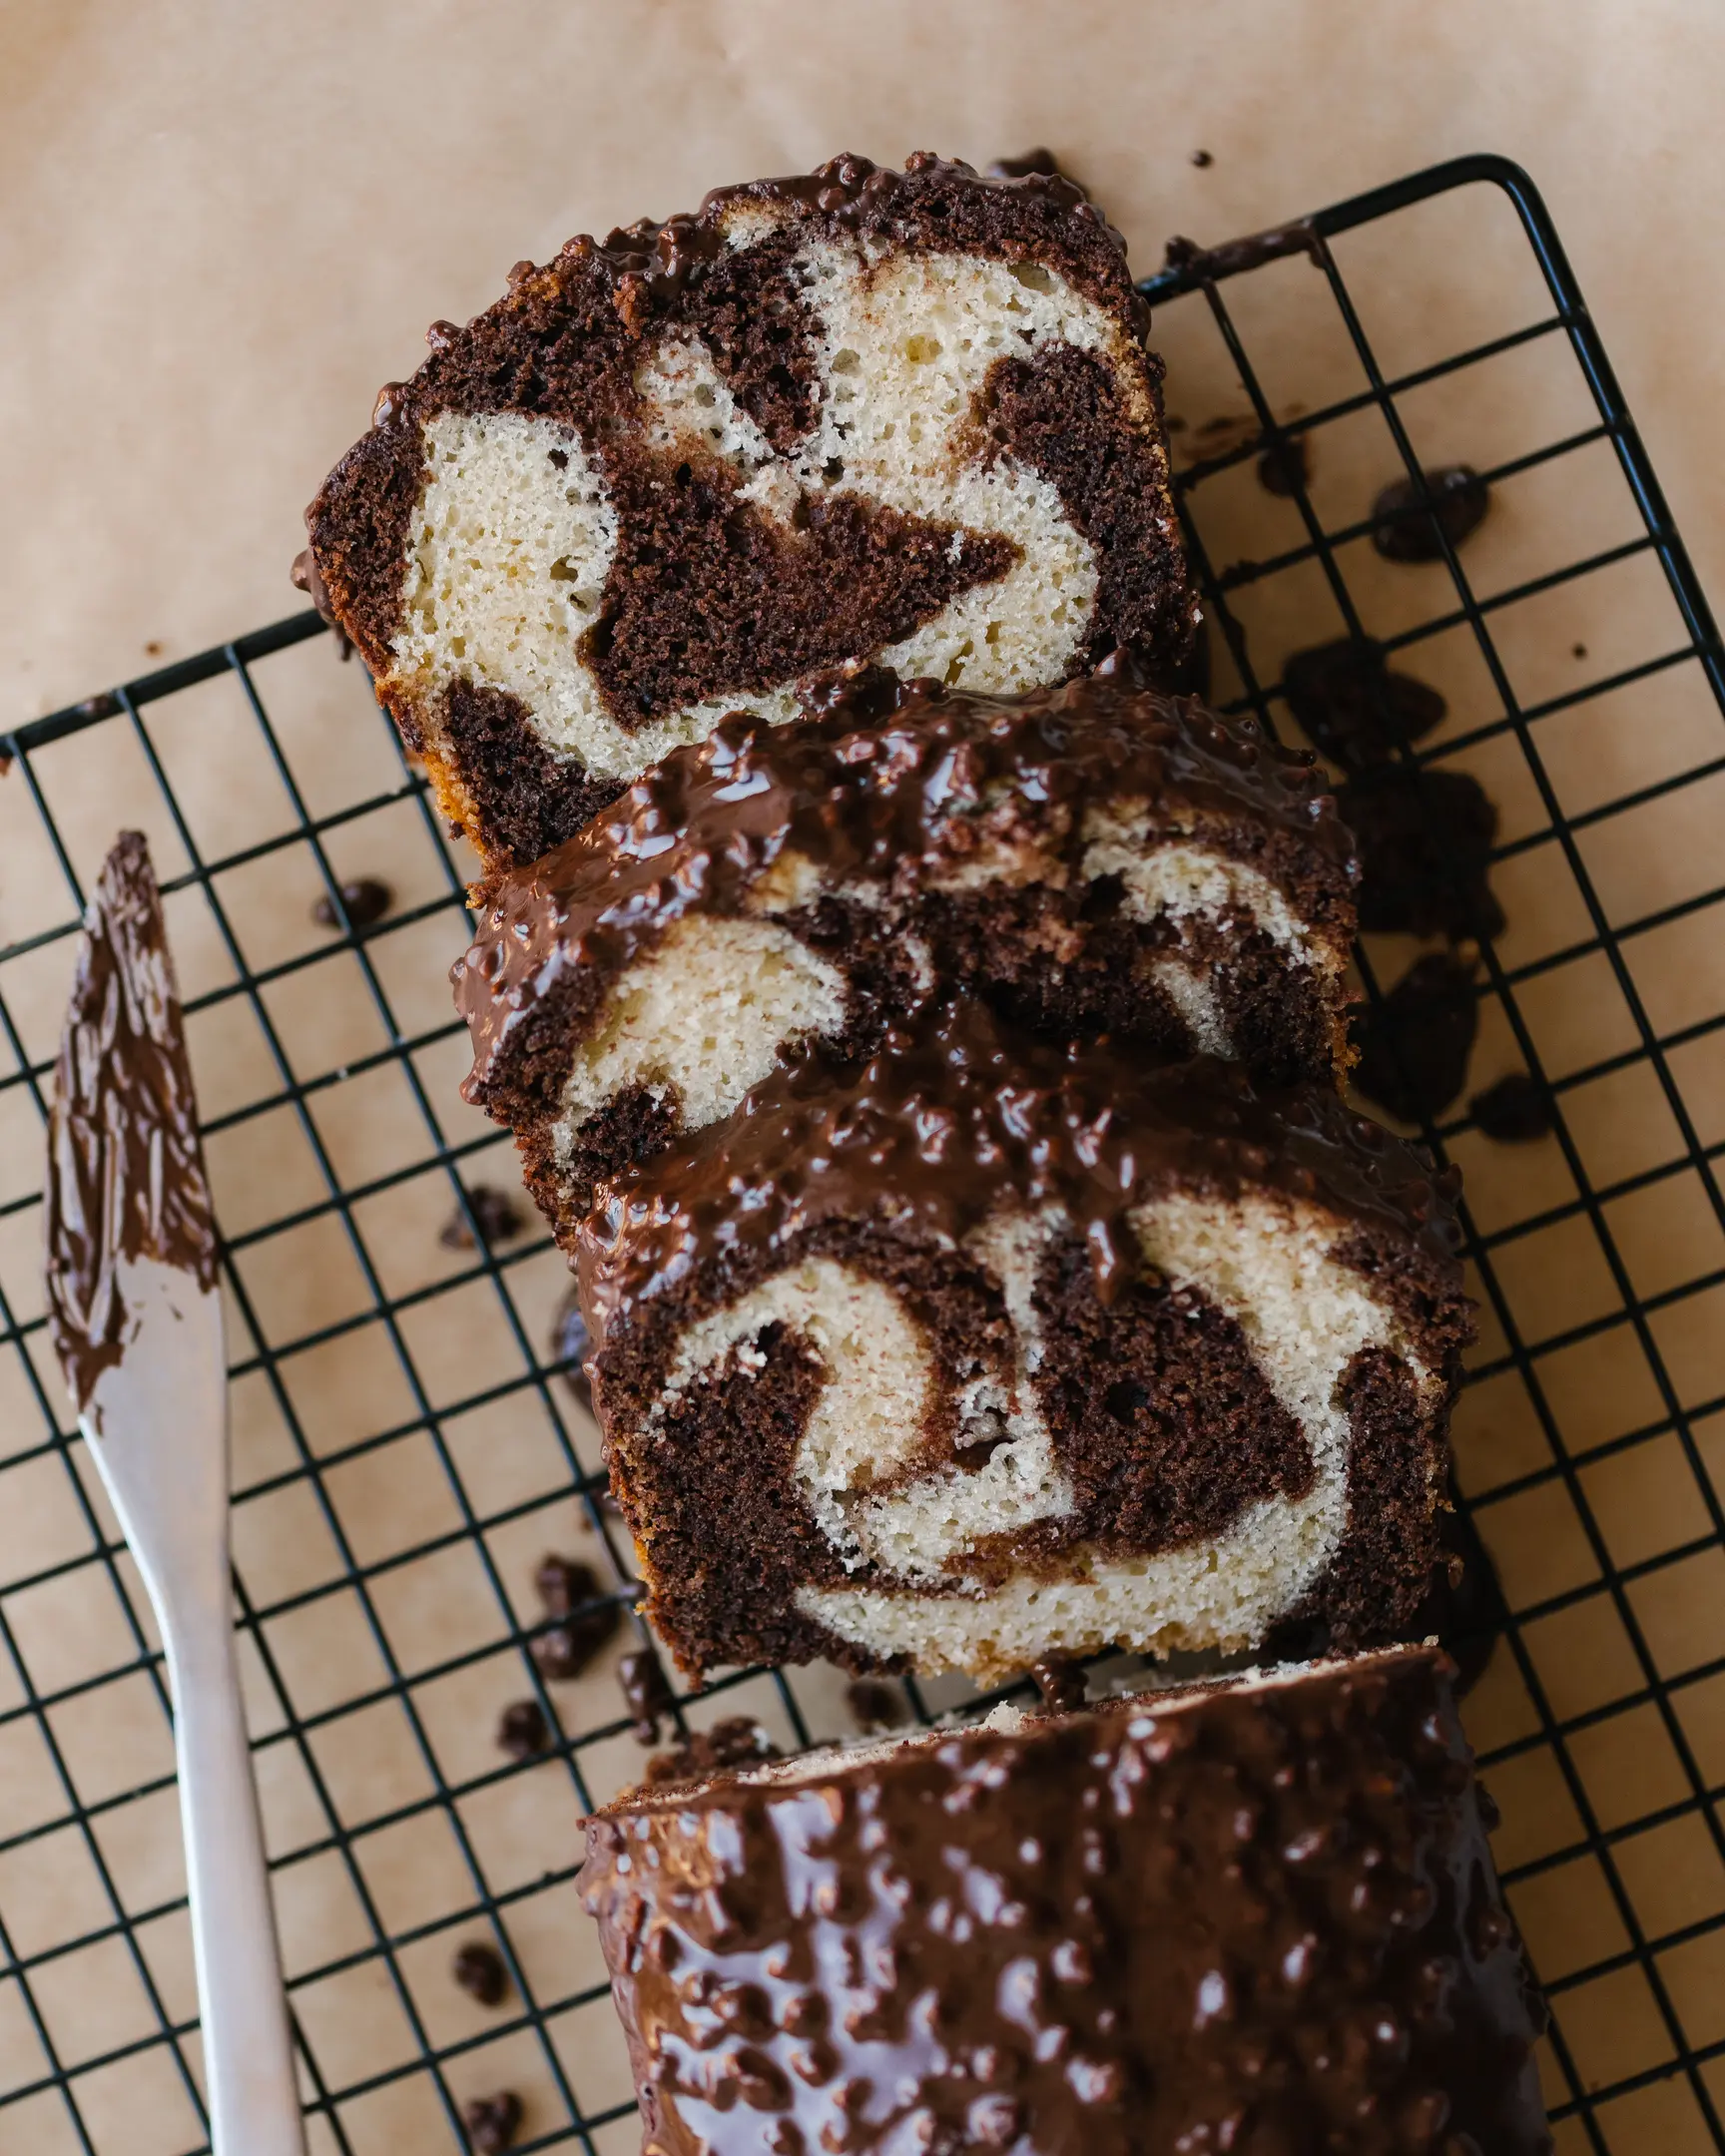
406, 1438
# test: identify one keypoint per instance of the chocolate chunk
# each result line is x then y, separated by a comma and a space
1061, 1684
478, 1969
1285, 467
492, 2122
523, 1731
1352, 707
1203, 160
1516, 1109
570, 1645
1424, 840
1578, 651
495, 1215
646, 1692
738, 1742
364, 900
1413, 1046
1039, 161
569, 1343
1404, 530
875, 1705
1466, 1607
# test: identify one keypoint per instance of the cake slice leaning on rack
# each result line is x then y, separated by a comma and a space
991, 1349
1257, 1916
856, 415
1095, 858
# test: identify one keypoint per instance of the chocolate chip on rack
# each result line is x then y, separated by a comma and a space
875, 1704
522, 1729
1404, 530
1415, 1044
572, 1643
491, 2123
479, 1968
1352, 707
646, 1692
1516, 1110
495, 1215
365, 901
1424, 837
737, 1741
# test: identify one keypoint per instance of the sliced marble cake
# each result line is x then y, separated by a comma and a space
861, 415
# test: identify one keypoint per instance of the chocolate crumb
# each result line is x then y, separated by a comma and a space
569, 1343
1038, 160
478, 1969
646, 1692
1404, 530
152, 649
1516, 1110
1578, 651
875, 1705
564, 1585
1061, 1684
97, 707
364, 900
1413, 1046
1352, 707
1286, 466
492, 2122
497, 1216
523, 1731
738, 1742
1203, 160
1424, 840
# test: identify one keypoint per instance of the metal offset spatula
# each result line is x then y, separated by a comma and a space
137, 1321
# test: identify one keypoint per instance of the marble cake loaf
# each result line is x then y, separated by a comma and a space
993, 1350
862, 414
1089, 857
1260, 1915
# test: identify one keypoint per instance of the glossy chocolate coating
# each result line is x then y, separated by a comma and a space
1254, 1919
125, 1169
960, 1110
886, 785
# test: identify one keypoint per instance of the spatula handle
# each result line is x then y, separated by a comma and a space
248, 2058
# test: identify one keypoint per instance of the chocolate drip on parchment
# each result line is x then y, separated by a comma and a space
126, 1173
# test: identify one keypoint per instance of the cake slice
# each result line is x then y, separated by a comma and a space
859, 414
991, 1349
1260, 1915
1090, 858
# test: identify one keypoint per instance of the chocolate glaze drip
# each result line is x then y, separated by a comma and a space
880, 784
1206, 264
125, 1170
1257, 1919
956, 1111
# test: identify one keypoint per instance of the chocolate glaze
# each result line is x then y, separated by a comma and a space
125, 1169
959, 1109
1203, 265
1253, 1918
883, 784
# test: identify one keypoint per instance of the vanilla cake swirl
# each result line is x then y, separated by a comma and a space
862, 414
990, 1351
1093, 857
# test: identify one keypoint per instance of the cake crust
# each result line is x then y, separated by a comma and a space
681, 378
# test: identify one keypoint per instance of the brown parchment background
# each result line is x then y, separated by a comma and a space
221, 228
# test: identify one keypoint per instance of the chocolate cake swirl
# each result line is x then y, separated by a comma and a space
990, 1349
1090, 858
124, 1168
1261, 1915
858, 414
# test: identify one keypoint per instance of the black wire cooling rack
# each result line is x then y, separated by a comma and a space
407, 1440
